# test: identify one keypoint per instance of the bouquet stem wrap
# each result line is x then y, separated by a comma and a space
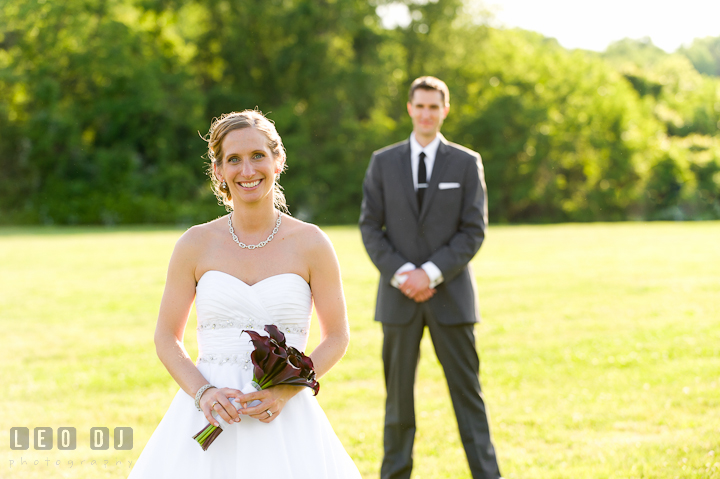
251, 387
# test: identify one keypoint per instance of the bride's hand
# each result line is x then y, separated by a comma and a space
272, 402
218, 400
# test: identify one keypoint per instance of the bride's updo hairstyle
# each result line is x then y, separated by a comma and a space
228, 122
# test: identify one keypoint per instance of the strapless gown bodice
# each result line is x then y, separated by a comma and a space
225, 307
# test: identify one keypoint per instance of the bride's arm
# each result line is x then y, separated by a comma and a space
329, 299
173, 316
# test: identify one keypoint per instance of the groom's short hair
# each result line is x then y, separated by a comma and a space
430, 83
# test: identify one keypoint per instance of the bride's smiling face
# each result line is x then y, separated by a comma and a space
248, 165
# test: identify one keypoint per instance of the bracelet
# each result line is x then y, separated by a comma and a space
199, 394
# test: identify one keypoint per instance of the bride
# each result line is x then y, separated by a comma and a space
253, 267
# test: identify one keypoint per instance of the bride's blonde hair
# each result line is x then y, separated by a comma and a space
228, 122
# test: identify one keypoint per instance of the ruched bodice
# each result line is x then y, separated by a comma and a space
226, 305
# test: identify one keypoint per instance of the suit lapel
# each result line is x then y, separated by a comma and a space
406, 177
438, 168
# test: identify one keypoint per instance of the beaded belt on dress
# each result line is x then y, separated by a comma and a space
242, 359
247, 323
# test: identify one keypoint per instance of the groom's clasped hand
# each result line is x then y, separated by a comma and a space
417, 285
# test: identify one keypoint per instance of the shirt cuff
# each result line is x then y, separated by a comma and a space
433, 273
397, 280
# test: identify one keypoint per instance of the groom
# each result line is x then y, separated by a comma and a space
424, 214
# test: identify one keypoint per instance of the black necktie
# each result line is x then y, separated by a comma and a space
421, 179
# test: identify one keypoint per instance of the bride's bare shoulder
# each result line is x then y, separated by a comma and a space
199, 236
309, 237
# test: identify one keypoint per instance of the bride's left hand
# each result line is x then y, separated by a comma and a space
272, 399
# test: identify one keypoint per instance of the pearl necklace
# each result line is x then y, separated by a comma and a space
254, 246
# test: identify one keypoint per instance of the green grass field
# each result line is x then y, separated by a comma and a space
600, 349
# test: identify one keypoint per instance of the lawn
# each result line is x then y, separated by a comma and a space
600, 350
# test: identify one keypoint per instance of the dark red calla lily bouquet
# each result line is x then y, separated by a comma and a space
274, 363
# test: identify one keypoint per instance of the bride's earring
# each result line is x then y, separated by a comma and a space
223, 185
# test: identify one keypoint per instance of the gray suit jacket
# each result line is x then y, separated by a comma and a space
447, 231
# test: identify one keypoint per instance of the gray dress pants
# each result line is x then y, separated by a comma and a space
455, 349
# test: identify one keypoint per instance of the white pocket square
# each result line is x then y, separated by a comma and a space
448, 186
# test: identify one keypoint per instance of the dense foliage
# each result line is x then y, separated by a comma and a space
101, 102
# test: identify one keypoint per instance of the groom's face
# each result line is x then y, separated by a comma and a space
427, 111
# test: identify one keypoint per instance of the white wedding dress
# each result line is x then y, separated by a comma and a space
299, 444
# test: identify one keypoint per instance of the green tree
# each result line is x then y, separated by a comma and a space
704, 53
102, 118
686, 101
562, 134
101, 102
314, 67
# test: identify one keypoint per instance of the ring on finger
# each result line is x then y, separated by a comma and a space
269, 412
213, 405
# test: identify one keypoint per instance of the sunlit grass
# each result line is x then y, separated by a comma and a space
600, 348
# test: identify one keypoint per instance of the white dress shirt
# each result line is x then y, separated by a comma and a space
430, 151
